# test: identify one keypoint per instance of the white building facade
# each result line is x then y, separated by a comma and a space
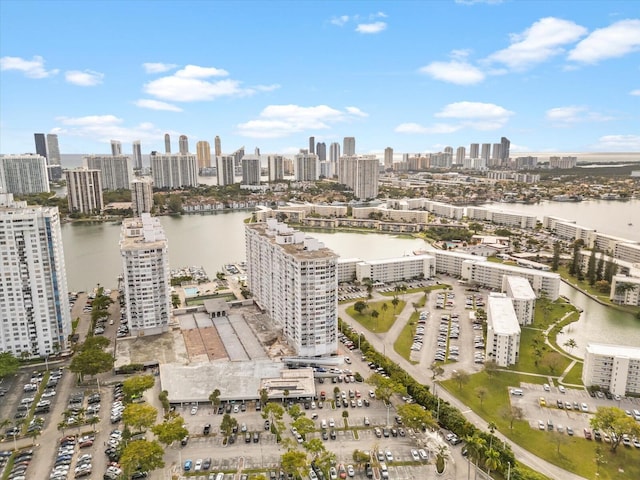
503, 331
141, 196
34, 311
396, 269
519, 290
174, 170
144, 251
294, 279
614, 368
84, 191
625, 290
23, 174
116, 171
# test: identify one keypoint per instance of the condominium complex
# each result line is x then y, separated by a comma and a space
276, 168
116, 170
614, 368
396, 269
522, 295
116, 148
183, 144
451, 263
349, 146
23, 174
251, 170
137, 155
293, 278
566, 229
84, 191
53, 149
141, 196
225, 170
500, 217
563, 162
503, 331
627, 251
34, 312
388, 158
203, 154
306, 166
360, 173
41, 144
174, 170
145, 263
625, 290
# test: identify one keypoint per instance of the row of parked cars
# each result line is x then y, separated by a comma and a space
418, 336
21, 462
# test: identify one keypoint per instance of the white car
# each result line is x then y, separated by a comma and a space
584, 407
423, 454
198, 465
350, 471
388, 455
194, 410
333, 473
415, 455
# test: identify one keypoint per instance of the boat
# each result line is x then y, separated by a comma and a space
610, 196
567, 198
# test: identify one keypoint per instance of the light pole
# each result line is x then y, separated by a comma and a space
509, 471
359, 337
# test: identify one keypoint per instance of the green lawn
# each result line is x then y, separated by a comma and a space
526, 362
430, 288
547, 312
404, 341
574, 376
575, 453
385, 318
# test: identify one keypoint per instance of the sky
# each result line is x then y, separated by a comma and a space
412, 75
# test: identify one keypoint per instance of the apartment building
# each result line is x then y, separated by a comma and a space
396, 269
141, 196
614, 368
627, 252
625, 290
519, 290
116, 171
144, 251
567, 230
23, 174
451, 263
503, 331
84, 191
174, 170
34, 311
293, 277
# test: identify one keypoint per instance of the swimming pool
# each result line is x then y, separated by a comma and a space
191, 291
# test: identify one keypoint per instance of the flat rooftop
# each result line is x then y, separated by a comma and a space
501, 315
520, 288
614, 350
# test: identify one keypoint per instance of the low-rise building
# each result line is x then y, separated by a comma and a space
451, 263
625, 290
614, 368
503, 330
523, 297
396, 269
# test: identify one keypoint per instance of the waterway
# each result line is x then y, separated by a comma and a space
211, 240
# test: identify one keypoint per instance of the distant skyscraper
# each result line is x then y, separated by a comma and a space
116, 171
495, 154
388, 158
349, 146
141, 196
183, 144
217, 146
225, 168
251, 170
321, 151
448, 150
474, 151
460, 154
256, 151
360, 174
276, 168
137, 155
312, 144
203, 152
505, 150
116, 148
173, 170
167, 143
84, 191
23, 174
307, 167
145, 264
334, 152
34, 312
486, 152
41, 144
53, 149
237, 156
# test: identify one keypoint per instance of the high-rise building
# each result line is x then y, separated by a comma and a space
137, 155
360, 173
388, 158
84, 191
251, 170
237, 156
486, 152
145, 264
276, 168
349, 146
23, 174
183, 144
35, 318
116, 171
294, 279
307, 167
312, 144
53, 149
448, 150
474, 150
503, 330
460, 155
217, 146
496, 154
41, 144
141, 196
203, 153
174, 170
225, 170
321, 151
167, 143
116, 148
334, 152
505, 150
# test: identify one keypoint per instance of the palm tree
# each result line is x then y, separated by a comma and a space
384, 308
475, 446
570, 344
93, 421
492, 460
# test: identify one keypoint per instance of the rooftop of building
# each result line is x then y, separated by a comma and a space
520, 270
411, 258
614, 350
301, 245
501, 314
520, 288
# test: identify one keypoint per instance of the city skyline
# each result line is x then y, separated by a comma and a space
547, 75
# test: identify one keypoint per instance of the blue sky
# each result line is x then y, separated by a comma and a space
416, 76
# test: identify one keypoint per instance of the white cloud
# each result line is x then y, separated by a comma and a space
380, 14
635, 92
283, 120
156, 105
473, 115
158, 67
622, 143
102, 128
87, 78
574, 114
33, 68
266, 88
616, 40
371, 28
340, 21
543, 40
458, 72
195, 71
